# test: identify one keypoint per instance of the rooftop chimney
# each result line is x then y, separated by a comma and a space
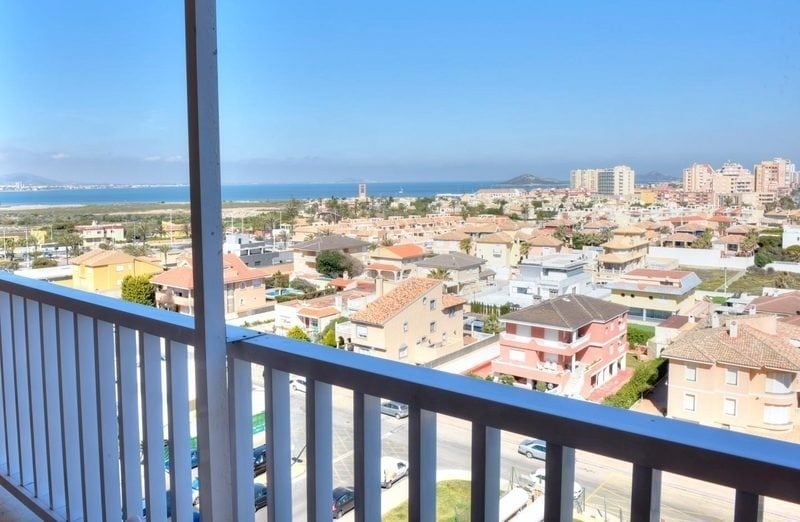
714, 320
753, 310
379, 287
733, 329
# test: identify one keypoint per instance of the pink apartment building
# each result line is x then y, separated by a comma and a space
571, 343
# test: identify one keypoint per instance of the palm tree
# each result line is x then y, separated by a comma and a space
749, 243
442, 274
164, 249
524, 250
465, 245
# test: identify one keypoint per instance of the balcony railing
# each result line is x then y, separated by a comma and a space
82, 393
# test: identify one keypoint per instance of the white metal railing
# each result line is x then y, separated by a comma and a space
82, 388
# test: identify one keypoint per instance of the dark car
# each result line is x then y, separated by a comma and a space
260, 495
195, 512
344, 499
260, 459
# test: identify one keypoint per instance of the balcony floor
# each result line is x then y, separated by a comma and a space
12, 510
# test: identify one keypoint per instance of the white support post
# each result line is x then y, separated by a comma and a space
206, 209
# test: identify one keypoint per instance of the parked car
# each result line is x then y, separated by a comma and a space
392, 470
260, 459
536, 480
344, 499
298, 383
533, 448
396, 409
195, 512
259, 495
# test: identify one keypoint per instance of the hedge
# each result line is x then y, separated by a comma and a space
643, 380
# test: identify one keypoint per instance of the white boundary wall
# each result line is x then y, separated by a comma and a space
702, 258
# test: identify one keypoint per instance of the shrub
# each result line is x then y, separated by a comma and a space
643, 380
638, 335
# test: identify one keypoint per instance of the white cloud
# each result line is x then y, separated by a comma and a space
59, 156
174, 159
152, 158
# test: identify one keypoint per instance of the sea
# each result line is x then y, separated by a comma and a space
239, 193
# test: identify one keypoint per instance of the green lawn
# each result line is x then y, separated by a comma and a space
452, 503
711, 279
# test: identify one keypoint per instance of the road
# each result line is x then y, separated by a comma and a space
607, 482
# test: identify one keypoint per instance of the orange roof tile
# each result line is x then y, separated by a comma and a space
384, 308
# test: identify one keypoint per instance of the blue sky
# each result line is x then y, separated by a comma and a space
326, 91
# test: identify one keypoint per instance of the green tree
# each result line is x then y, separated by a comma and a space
164, 249
492, 324
277, 280
329, 338
792, 253
639, 335
465, 245
749, 243
783, 280
138, 289
295, 332
703, 240
334, 263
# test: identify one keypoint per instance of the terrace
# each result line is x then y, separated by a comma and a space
84, 409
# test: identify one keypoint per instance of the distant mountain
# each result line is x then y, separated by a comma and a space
26, 179
656, 177
529, 179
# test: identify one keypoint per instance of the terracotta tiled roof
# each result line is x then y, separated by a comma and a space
384, 308
681, 236
567, 312
731, 239
407, 250
451, 236
318, 312
449, 301
751, 347
501, 238
332, 242
545, 240
629, 231
233, 271
383, 266
783, 304
100, 257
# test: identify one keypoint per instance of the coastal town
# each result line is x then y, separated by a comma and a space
569, 291
678, 300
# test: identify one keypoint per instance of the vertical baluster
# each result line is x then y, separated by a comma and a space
129, 422
422, 461
70, 428
37, 404
52, 393
367, 458
645, 494
22, 403
10, 440
179, 435
559, 494
749, 507
153, 425
88, 427
319, 449
105, 377
279, 445
241, 409
485, 473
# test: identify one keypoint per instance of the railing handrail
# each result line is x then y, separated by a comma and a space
177, 327
701, 452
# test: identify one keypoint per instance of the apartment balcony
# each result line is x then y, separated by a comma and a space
169, 298
555, 374
85, 410
545, 345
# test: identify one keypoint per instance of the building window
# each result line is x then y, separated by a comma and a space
690, 373
433, 326
403, 351
405, 326
689, 402
361, 331
777, 414
730, 407
516, 355
433, 304
731, 377
779, 382
257, 283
